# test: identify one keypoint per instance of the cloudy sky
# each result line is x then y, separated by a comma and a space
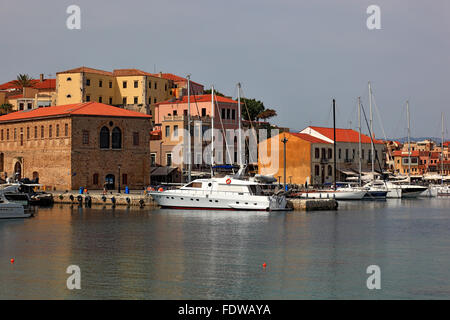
295, 56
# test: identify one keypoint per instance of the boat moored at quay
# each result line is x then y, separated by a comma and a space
227, 193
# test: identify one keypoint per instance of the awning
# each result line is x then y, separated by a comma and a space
162, 171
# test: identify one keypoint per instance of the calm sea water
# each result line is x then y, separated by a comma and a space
166, 254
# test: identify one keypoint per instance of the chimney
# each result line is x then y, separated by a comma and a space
41, 77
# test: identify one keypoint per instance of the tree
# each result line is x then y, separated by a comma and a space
23, 81
6, 108
266, 114
217, 93
255, 108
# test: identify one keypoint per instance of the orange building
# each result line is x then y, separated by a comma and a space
303, 165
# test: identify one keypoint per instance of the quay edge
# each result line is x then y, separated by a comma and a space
313, 204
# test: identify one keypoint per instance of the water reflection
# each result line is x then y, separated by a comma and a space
135, 253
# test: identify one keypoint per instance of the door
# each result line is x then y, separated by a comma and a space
18, 171
110, 182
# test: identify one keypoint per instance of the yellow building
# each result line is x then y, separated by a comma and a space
131, 89
41, 93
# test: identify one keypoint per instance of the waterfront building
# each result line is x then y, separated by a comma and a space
310, 156
170, 118
89, 145
132, 89
42, 93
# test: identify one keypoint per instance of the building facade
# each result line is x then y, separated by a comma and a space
42, 93
131, 89
89, 145
171, 119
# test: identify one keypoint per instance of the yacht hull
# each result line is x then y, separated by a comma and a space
12, 211
204, 202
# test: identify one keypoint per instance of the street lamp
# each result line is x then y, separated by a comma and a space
118, 187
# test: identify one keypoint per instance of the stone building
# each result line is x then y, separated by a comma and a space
89, 145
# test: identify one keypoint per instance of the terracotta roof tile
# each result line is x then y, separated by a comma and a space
87, 70
130, 72
345, 135
38, 84
309, 138
87, 108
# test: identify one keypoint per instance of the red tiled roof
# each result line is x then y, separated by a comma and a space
16, 96
345, 135
435, 155
87, 70
130, 72
309, 138
46, 84
38, 84
198, 98
87, 108
400, 153
174, 78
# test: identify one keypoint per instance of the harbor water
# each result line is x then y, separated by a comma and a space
144, 253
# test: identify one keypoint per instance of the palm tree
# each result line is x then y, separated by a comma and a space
266, 114
23, 81
6, 108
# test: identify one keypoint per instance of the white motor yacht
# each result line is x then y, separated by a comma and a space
227, 193
11, 210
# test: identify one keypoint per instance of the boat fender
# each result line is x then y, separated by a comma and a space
228, 181
71, 197
113, 200
104, 198
127, 200
88, 200
61, 197
141, 203
80, 198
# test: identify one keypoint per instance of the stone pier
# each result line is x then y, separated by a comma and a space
313, 204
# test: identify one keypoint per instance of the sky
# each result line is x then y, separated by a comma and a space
295, 56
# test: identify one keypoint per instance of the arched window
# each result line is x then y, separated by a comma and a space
104, 138
116, 138
330, 171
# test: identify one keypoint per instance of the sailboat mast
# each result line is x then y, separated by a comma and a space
409, 139
212, 130
334, 142
240, 129
189, 126
359, 127
371, 132
442, 150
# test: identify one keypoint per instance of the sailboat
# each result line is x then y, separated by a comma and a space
373, 191
439, 190
406, 189
227, 193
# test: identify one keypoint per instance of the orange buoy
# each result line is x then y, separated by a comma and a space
12, 260
160, 189
228, 181
264, 265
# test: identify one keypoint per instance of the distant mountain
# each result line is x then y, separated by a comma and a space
415, 139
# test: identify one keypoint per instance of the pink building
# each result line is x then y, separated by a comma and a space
226, 110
